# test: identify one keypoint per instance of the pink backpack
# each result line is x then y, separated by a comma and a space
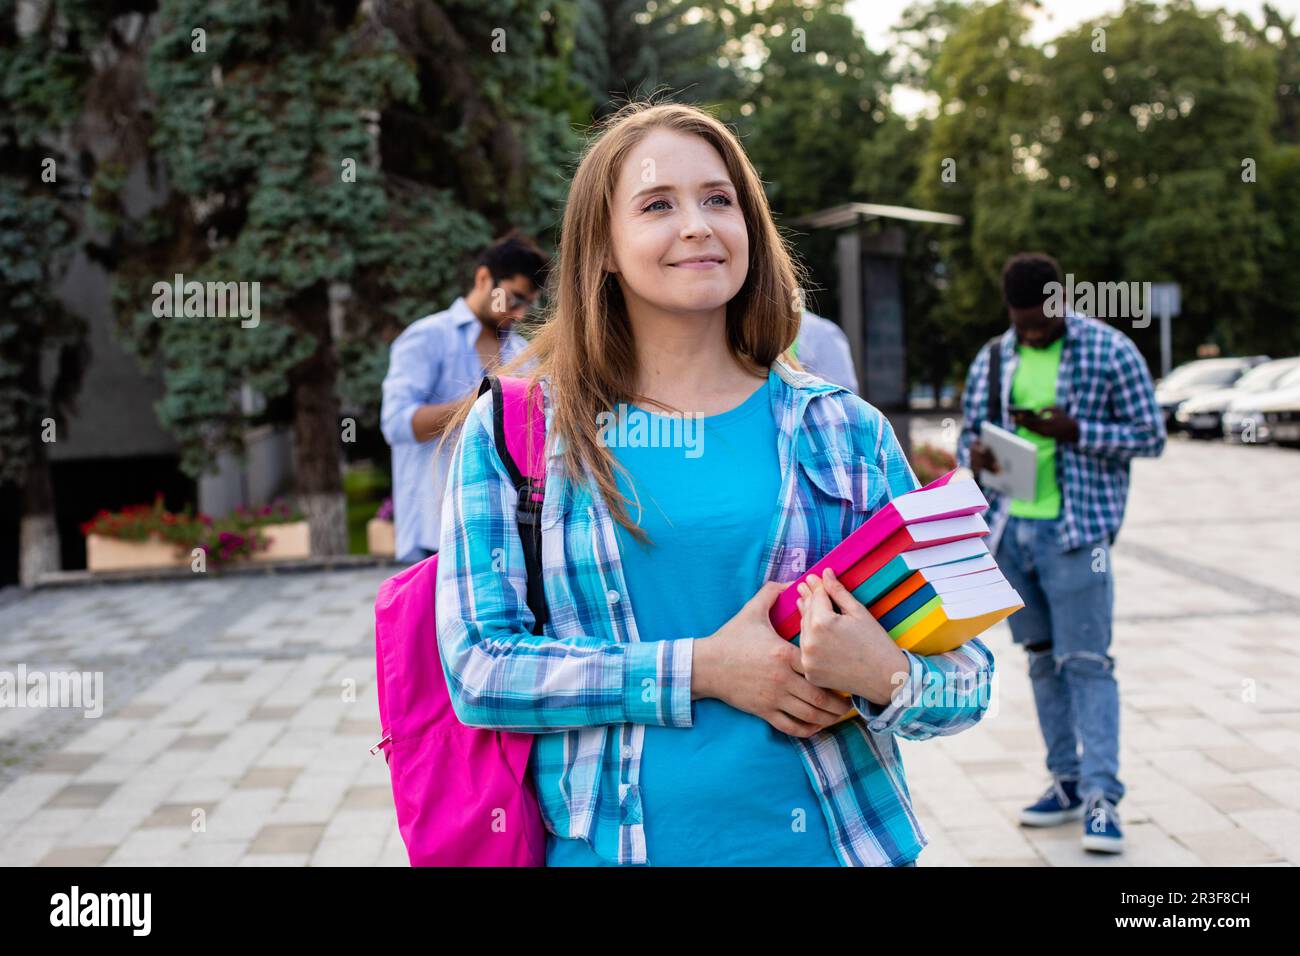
463, 794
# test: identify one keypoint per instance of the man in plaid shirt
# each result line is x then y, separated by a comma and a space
1080, 391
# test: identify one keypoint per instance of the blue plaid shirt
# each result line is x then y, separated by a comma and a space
588, 686
1102, 383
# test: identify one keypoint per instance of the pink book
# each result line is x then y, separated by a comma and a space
941, 498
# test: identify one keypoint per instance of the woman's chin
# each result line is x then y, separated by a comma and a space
691, 295
695, 303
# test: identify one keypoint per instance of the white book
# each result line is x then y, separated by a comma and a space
982, 600
953, 552
963, 526
965, 568
958, 497
963, 582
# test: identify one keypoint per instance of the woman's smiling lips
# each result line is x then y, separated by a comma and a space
703, 262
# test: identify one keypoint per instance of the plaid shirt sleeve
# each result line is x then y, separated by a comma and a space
501, 675
943, 693
1139, 427
974, 404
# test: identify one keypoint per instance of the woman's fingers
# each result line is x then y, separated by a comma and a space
826, 704
819, 604
795, 728
807, 719
842, 596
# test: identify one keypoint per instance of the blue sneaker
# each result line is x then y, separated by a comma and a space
1101, 832
1059, 803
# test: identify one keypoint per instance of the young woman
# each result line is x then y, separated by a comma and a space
675, 727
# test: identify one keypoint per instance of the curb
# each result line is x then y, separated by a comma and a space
341, 562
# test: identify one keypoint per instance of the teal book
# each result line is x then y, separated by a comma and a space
972, 554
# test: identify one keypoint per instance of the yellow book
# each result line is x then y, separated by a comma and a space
938, 633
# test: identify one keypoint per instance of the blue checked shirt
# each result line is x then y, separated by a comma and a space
433, 361
588, 687
1102, 383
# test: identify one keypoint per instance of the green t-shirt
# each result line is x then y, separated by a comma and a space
1034, 386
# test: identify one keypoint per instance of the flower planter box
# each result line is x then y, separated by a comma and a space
115, 554
286, 541
381, 536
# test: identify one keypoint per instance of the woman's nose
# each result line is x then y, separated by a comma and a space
696, 226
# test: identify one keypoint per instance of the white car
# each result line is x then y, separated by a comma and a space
1201, 416
1267, 416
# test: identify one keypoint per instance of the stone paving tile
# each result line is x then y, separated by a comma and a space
82, 795
209, 852
286, 838
173, 815
273, 777
368, 798
68, 761
77, 856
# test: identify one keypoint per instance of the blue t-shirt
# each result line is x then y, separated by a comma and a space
731, 790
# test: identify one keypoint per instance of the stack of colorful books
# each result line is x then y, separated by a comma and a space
920, 565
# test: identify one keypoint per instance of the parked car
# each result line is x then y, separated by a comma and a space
1194, 378
1266, 416
1282, 419
1201, 416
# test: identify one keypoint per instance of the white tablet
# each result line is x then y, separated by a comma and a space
1017, 459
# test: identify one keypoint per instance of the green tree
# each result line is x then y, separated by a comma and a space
1119, 148
632, 49
816, 91
43, 346
985, 77
347, 159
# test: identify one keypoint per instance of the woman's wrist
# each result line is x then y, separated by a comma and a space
882, 679
703, 662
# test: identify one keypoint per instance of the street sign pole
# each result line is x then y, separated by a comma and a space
1166, 342
1167, 299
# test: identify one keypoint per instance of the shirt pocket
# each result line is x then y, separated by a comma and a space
843, 496
857, 484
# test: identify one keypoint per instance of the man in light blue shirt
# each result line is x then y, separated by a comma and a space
436, 362
823, 349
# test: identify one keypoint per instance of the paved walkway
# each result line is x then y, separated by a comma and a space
239, 712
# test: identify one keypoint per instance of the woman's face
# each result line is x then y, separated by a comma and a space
679, 238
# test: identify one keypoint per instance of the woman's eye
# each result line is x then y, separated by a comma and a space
726, 200
651, 207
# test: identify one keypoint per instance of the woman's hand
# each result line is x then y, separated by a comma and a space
848, 651
751, 667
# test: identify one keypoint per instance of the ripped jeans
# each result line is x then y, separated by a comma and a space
1065, 628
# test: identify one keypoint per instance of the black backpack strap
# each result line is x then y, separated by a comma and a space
528, 511
994, 413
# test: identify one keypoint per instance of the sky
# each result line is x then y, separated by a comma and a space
875, 18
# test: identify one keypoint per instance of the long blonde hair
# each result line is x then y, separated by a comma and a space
584, 346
